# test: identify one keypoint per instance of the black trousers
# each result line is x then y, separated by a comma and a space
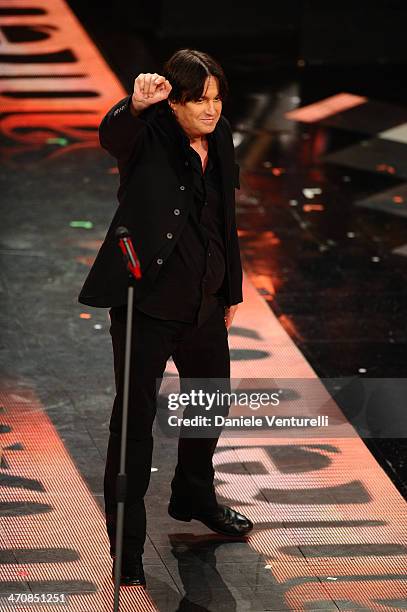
198, 353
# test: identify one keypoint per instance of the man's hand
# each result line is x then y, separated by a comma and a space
149, 89
230, 312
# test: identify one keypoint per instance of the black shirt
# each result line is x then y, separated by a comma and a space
188, 285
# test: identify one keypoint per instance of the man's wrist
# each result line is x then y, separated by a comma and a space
136, 106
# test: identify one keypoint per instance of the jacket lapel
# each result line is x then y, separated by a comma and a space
176, 144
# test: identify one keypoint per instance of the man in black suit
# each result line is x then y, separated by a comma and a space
177, 178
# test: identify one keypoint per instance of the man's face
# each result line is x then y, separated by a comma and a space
200, 117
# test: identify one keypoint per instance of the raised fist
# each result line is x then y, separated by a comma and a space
149, 89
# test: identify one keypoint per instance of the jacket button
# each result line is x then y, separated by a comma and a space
182, 187
159, 261
169, 235
176, 211
187, 163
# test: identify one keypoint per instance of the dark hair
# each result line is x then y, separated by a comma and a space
187, 71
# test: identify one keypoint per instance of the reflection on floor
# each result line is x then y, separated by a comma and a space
53, 533
321, 220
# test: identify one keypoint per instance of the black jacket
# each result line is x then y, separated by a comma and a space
155, 195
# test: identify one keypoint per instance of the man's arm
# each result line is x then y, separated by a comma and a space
236, 273
122, 127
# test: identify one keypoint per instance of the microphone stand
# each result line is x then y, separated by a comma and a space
133, 267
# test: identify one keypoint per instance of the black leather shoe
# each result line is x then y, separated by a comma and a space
225, 520
132, 572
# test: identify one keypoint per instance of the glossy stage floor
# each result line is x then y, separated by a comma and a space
321, 220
